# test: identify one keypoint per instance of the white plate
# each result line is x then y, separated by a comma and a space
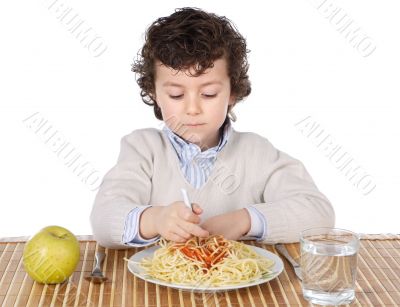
135, 269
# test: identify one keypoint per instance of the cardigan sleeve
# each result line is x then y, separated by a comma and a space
131, 234
291, 200
124, 187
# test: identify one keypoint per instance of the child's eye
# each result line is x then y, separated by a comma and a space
176, 97
210, 96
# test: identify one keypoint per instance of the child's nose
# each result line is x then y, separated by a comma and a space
192, 106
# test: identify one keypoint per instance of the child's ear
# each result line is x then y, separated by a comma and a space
232, 101
153, 97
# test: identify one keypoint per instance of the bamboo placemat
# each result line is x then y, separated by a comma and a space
378, 279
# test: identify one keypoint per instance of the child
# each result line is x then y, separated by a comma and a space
192, 71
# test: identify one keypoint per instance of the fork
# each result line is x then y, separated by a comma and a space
295, 265
97, 275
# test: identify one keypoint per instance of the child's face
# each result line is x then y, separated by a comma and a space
194, 107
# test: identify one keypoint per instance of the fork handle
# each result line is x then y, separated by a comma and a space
283, 251
99, 257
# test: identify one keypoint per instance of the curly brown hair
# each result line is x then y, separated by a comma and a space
191, 37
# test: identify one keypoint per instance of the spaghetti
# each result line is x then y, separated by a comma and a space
213, 261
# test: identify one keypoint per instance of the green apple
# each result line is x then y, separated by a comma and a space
51, 255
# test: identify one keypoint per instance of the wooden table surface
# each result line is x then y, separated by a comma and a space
378, 281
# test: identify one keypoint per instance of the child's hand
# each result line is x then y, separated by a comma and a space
231, 225
178, 223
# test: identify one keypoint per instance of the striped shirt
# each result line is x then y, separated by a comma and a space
196, 165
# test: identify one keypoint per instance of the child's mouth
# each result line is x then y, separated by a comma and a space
194, 125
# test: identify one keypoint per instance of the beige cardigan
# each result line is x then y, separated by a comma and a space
248, 171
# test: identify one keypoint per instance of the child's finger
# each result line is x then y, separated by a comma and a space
181, 232
194, 229
197, 209
187, 214
175, 237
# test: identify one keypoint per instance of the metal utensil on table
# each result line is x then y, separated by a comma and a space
97, 275
284, 252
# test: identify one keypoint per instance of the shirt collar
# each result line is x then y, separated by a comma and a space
182, 145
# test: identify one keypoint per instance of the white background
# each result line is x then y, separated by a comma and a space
300, 66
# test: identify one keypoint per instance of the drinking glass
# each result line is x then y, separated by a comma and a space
328, 265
